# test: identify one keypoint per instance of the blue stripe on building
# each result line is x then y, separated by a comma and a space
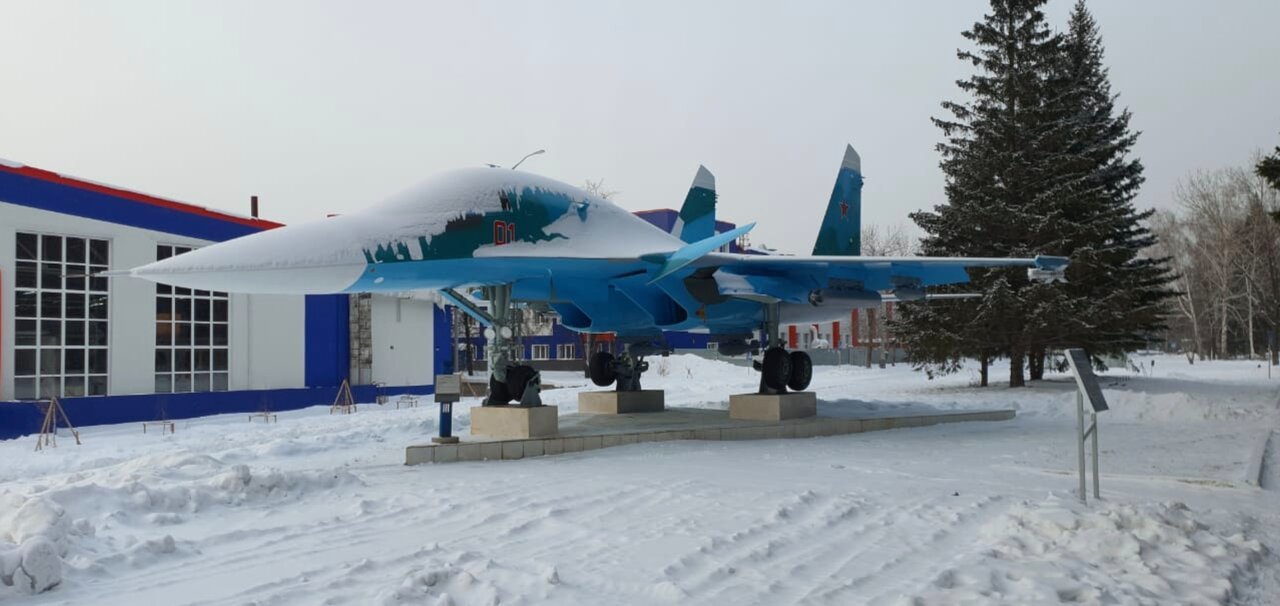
442, 332
327, 340
24, 418
59, 198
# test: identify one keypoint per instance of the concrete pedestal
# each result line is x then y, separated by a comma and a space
505, 422
780, 407
621, 402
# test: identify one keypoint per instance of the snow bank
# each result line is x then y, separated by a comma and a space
33, 536
1059, 551
39, 531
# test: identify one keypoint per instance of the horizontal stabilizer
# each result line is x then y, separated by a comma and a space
944, 296
697, 250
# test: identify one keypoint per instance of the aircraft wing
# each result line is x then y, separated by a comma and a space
874, 273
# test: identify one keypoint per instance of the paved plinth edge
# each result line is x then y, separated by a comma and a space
776, 407
513, 422
718, 427
622, 402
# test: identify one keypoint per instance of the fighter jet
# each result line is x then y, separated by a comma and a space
514, 237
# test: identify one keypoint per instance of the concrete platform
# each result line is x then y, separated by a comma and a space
515, 422
777, 407
585, 431
622, 402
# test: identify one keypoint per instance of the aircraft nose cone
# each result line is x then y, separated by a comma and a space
308, 258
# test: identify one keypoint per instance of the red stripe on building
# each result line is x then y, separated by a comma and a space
853, 329
792, 337
52, 177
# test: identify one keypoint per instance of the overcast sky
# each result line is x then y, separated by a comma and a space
323, 107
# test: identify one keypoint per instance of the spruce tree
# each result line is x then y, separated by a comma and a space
1038, 163
1115, 296
1269, 169
994, 157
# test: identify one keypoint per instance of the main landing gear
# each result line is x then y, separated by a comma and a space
624, 370
780, 369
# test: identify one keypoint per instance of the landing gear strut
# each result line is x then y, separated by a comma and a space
507, 381
780, 369
624, 370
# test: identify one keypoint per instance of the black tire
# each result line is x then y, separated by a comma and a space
776, 368
517, 379
801, 371
498, 394
601, 368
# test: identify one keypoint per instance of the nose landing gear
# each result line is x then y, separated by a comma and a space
624, 370
507, 381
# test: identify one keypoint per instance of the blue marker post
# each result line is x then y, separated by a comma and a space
448, 391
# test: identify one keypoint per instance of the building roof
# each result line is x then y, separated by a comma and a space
56, 192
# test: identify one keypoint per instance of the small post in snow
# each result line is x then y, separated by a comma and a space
448, 391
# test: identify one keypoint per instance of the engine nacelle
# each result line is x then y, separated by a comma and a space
846, 299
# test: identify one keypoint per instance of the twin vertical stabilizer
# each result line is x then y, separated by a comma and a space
697, 219
841, 231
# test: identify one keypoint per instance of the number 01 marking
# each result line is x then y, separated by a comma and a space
504, 232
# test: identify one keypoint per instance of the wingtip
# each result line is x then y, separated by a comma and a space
851, 159
704, 179
1051, 262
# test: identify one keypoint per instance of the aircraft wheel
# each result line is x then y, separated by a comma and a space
517, 379
498, 394
776, 368
601, 368
801, 371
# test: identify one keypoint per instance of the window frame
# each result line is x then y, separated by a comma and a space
192, 344
62, 316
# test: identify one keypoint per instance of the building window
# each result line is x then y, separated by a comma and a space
541, 352
192, 336
60, 316
479, 349
604, 346
564, 351
713, 346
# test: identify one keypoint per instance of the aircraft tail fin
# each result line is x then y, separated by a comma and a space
841, 231
697, 219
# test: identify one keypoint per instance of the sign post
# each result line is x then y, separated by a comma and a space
1271, 348
1087, 388
448, 391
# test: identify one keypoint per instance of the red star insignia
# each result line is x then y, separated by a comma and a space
844, 209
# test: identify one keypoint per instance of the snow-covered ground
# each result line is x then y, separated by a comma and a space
319, 508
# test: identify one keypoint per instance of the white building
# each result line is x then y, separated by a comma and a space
124, 349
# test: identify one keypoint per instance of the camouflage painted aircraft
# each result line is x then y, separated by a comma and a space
518, 238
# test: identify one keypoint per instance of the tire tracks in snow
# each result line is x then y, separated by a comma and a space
898, 560
842, 548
